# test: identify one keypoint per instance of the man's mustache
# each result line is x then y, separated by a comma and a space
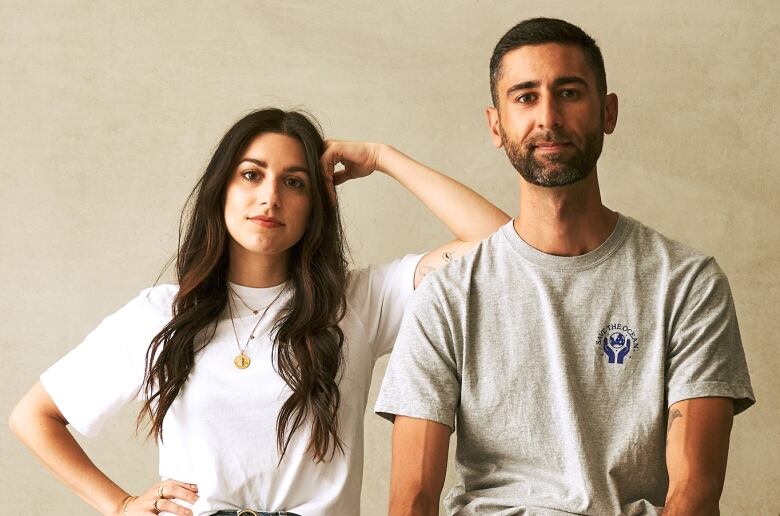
535, 140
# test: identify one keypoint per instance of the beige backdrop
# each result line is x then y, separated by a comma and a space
109, 112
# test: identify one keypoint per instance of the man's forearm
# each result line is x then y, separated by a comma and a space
696, 455
413, 502
690, 500
419, 466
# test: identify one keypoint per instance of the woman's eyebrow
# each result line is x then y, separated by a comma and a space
263, 164
259, 163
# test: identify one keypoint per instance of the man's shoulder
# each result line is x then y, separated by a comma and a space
456, 279
652, 243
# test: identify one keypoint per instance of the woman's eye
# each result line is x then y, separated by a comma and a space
293, 182
250, 175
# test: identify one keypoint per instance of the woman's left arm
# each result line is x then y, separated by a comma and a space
469, 216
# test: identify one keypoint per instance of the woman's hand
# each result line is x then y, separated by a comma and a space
359, 159
159, 499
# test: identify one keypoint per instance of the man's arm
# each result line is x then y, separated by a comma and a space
418, 467
697, 447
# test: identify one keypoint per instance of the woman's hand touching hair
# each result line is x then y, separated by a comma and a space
360, 159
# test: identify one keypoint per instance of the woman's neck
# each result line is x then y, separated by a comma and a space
253, 270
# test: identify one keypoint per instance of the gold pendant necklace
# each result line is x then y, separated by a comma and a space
242, 360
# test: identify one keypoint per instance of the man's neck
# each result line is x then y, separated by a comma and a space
564, 221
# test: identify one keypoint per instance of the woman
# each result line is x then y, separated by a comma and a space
254, 370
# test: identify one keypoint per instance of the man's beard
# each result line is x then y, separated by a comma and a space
554, 169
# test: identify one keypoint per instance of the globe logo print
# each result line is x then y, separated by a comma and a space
617, 340
616, 347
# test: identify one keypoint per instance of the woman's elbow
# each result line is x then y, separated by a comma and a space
17, 419
35, 410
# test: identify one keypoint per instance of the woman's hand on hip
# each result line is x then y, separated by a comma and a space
159, 498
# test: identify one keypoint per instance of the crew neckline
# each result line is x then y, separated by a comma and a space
561, 263
256, 297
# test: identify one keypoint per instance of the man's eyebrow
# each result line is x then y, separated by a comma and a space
527, 85
570, 79
560, 81
263, 164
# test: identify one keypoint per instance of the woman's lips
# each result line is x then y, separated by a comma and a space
267, 222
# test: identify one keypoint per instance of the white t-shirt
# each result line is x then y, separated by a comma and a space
220, 432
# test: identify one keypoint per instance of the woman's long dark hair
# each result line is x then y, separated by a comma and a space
307, 339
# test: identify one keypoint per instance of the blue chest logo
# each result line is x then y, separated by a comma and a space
616, 341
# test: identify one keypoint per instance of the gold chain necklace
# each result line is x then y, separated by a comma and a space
242, 360
243, 302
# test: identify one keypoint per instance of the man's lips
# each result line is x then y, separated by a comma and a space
266, 222
551, 146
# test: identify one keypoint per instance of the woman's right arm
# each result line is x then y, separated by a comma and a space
40, 425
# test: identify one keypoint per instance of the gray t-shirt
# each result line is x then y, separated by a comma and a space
559, 370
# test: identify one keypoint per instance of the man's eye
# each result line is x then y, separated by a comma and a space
250, 175
569, 94
525, 98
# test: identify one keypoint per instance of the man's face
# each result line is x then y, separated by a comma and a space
551, 118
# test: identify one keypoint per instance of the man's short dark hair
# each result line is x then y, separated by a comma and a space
537, 31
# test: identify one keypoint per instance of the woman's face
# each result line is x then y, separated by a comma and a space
268, 197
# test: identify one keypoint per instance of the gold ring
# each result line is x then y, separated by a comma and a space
160, 491
246, 511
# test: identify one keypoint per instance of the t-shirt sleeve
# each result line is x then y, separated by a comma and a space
379, 294
706, 357
423, 376
103, 373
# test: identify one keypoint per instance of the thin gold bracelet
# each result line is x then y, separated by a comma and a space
126, 502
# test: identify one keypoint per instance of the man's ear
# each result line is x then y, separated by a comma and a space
494, 125
610, 113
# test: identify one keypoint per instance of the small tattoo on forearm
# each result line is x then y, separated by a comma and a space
674, 414
447, 256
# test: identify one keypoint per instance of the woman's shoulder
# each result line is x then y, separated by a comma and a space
373, 279
158, 299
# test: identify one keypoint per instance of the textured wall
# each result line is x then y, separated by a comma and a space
109, 111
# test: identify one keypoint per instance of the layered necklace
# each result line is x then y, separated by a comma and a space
242, 360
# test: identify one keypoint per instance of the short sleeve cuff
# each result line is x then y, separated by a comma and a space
741, 394
390, 410
408, 267
52, 382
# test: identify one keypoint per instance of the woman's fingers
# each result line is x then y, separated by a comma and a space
358, 158
342, 176
191, 487
165, 505
331, 155
328, 162
179, 490
160, 499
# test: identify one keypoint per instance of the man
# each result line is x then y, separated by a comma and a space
592, 365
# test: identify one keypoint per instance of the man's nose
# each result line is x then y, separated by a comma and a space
549, 113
